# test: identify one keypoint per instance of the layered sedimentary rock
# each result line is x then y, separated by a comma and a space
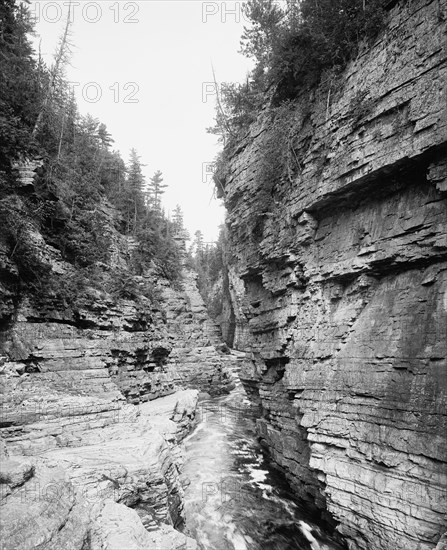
228, 291
345, 296
91, 415
198, 358
93, 406
112, 484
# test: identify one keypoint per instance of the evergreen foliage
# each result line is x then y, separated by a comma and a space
132, 202
208, 261
178, 223
85, 190
156, 190
292, 44
20, 83
198, 243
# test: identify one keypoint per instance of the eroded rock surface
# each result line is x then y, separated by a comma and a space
117, 527
196, 359
345, 297
101, 486
93, 412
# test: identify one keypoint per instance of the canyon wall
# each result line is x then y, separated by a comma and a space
96, 397
198, 357
343, 308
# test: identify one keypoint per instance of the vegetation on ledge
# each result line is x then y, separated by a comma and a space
294, 45
85, 196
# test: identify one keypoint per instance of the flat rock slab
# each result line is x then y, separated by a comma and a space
58, 499
117, 527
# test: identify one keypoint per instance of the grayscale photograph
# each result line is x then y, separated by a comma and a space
223, 275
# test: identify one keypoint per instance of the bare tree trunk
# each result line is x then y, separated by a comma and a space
219, 105
60, 139
60, 60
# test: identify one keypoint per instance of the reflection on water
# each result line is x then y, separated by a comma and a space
234, 501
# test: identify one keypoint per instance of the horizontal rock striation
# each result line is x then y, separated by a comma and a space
197, 359
91, 419
93, 405
345, 288
116, 485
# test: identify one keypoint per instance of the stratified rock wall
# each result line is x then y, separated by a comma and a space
94, 405
92, 415
345, 280
196, 360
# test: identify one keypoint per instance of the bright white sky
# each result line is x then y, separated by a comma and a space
157, 53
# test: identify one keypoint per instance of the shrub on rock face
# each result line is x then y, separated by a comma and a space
292, 44
327, 33
24, 242
295, 46
156, 247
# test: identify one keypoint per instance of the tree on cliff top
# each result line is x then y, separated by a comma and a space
56, 73
70, 201
156, 189
20, 92
292, 44
198, 243
134, 198
177, 219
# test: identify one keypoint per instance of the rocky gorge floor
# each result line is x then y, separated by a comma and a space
95, 404
117, 487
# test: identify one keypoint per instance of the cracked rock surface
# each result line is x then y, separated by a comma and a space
344, 303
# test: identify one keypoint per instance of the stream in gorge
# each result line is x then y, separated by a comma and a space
235, 500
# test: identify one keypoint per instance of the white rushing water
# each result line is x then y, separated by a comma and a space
235, 501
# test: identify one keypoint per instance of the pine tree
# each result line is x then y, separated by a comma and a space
156, 189
198, 243
56, 79
134, 207
72, 121
177, 220
104, 136
20, 94
113, 177
80, 177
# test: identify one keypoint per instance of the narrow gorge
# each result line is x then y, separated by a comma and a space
95, 405
281, 388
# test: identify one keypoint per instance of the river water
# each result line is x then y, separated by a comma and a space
234, 500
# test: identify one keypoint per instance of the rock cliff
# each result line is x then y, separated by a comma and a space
344, 305
197, 358
95, 405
